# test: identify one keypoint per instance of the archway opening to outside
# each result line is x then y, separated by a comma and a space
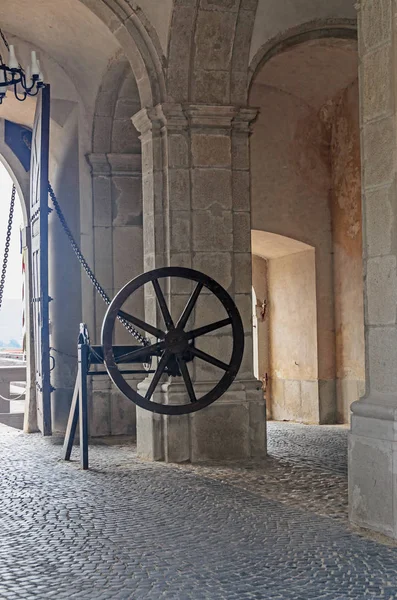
12, 313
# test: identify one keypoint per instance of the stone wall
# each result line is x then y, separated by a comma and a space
294, 386
196, 194
290, 185
347, 243
116, 168
306, 186
372, 442
261, 324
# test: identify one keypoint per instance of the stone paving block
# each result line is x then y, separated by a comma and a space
129, 529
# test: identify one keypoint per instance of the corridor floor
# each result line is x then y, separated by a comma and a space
126, 529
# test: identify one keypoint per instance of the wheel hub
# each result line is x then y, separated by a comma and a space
176, 341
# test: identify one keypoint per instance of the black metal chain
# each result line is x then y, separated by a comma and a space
134, 332
3, 37
7, 245
6, 44
140, 338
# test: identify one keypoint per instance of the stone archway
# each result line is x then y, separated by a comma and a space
140, 45
321, 29
20, 178
305, 157
116, 226
209, 52
81, 40
284, 281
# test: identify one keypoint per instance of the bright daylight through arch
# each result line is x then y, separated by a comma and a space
11, 313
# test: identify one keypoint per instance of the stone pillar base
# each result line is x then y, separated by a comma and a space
373, 464
110, 412
233, 428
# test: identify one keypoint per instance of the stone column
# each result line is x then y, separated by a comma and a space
64, 278
373, 437
196, 202
118, 258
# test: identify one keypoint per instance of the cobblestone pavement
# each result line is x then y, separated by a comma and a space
130, 530
306, 468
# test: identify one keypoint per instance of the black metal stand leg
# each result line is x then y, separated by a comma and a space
72, 423
83, 404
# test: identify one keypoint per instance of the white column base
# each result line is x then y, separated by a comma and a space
373, 464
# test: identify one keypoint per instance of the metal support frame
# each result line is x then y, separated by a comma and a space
79, 409
88, 355
173, 348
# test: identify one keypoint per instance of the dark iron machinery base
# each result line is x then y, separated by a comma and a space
170, 351
87, 357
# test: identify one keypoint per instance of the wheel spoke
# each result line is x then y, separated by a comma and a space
156, 377
208, 358
187, 379
208, 328
163, 305
141, 352
189, 306
142, 325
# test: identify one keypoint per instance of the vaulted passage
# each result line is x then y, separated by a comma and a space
252, 141
306, 219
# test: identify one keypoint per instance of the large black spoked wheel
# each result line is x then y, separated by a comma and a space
176, 344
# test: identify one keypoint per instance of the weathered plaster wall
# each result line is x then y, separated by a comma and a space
290, 186
305, 185
347, 238
293, 338
261, 322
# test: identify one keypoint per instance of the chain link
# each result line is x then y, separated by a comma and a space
7, 245
140, 338
3, 37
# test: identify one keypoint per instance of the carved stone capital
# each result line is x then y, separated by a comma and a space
205, 115
147, 120
244, 119
115, 164
177, 117
99, 164
125, 164
167, 116
172, 116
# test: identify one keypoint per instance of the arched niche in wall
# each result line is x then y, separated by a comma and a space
117, 224
305, 175
284, 279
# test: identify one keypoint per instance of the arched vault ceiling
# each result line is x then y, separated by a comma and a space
313, 71
271, 245
68, 32
274, 17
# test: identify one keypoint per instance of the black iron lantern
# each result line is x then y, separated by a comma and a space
14, 77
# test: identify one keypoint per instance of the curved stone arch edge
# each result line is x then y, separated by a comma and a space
313, 30
140, 44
